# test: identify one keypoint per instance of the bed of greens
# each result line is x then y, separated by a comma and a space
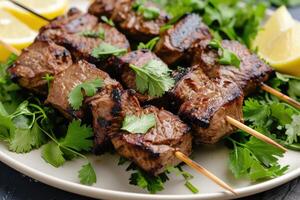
27, 124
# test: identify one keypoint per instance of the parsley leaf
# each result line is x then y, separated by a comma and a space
256, 112
90, 88
148, 12
134, 124
150, 45
108, 21
78, 137
105, 50
227, 57
53, 155
293, 130
94, 34
87, 175
153, 78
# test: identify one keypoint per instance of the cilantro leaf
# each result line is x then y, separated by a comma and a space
52, 154
87, 175
281, 113
227, 57
78, 137
150, 45
90, 88
94, 34
148, 12
108, 21
293, 129
105, 50
294, 89
153, 78
134, 124
256, 112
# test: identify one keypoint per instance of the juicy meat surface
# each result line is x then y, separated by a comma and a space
109, 110
248, 76
102, 7
154, 150
175, 43
68, 32
204, 103
130, 22
126, 75
67, 80
38, 60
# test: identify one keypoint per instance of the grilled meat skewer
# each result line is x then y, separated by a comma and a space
132, 23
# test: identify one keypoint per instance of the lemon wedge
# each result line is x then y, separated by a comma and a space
14, 33
279, 42
47, 8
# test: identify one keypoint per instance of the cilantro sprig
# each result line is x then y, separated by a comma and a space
153, 78
90, 88
94, 34
135, 124
148, 12
149, 45
105, 50
226, 56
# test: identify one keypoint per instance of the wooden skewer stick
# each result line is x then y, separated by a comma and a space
10, 48
203, 171
30, 10
281, 96
254, 133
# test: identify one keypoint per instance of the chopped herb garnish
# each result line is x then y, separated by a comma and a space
135, 124
90, 88
226, 57
150, 45
148, 12
108, 21
153, 78
49, 79
105, 50
94, 34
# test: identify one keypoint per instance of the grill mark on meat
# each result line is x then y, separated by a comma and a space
176, 41
204, 104
248, 77
128, 21
66, 31
39, 59
116, 95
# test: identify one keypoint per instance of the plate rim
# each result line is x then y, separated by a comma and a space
95, 192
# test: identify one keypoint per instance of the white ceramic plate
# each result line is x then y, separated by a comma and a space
113, 180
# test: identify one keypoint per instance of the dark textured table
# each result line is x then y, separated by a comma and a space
15, 186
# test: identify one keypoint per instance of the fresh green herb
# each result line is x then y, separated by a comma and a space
226, 57
105, 50
87, 175
293, 130
150, 45
153, 78
49, 79
148, 12
77, 139
144, 180
187, 176
94, 34
108, 21
255, 160
135, 124
90, 88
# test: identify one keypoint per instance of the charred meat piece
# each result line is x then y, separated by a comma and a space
175, 42
154, 150
109, 110
125, 74
67, 80
38, 60
70, 31
205, 103
129, 21
248, 76
103, 7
